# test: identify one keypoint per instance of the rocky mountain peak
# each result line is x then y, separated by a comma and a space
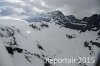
56, 13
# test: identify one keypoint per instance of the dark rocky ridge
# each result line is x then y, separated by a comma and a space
87, 23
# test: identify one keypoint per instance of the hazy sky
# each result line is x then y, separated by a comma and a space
79, 8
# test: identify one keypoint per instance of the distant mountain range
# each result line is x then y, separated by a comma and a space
87, 23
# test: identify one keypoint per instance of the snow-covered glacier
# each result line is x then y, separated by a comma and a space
30, 44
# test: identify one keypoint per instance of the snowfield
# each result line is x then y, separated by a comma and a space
29, 44
5, 59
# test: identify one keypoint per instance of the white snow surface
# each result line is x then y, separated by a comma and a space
5, 59
52, 38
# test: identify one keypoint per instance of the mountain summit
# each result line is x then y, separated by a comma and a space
51, 16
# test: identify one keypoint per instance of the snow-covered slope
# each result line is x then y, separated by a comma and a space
29, 44
5, 59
